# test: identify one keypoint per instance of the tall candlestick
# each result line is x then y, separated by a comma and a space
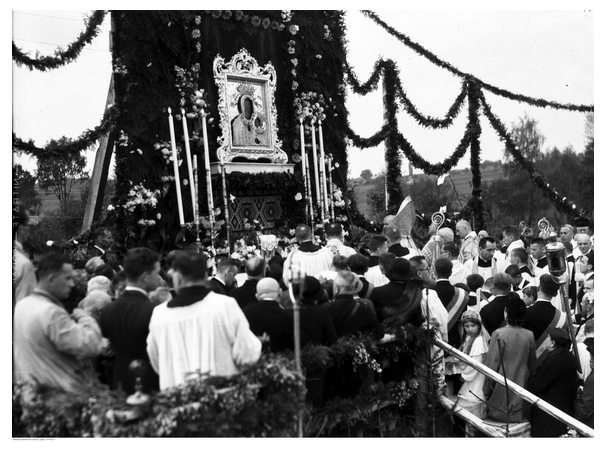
304, 166
317, 180
323, 170
196, 208
176, 166
209, 188
189, 164
196, 214
332, 196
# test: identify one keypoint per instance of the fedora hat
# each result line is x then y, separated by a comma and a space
399, 270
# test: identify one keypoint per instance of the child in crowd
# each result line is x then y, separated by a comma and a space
529, 295
475, 344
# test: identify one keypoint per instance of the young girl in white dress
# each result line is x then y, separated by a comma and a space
475, 344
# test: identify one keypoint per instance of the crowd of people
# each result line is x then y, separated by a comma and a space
182, 316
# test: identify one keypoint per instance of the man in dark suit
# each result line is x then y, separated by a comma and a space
125, 322
453, 299
358, 264
555, 381
350, 314
266, 316
223, 281
385, 298
493, 313
247, 293
542, 312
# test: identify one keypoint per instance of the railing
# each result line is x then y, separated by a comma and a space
518, 390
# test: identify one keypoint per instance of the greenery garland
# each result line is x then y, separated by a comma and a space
263, 400
425, 121
93, 27
535, 176
71, 148
497, 91
475, 204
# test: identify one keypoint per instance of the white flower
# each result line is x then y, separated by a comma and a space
139, 151
159, 216
185, 182
49, 243
110, 208
235, 255
232, 198
298, 197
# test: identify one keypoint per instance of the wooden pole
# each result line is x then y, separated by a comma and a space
316, 174
98, 180
518, 390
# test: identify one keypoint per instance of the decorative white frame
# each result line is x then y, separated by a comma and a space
241, 78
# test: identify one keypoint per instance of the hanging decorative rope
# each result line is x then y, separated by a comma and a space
535, 176
72, 147
93, 27
391, 71
497, 91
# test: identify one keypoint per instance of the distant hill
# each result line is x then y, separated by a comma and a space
460, 179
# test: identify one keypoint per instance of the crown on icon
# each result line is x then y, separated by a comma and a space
246, 88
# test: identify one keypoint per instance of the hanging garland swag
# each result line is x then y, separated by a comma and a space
93, 24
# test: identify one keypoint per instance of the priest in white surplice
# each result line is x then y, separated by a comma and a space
198, 331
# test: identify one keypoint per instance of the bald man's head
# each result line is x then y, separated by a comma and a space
268, 289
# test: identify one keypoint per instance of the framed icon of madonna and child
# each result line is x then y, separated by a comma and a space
247, 110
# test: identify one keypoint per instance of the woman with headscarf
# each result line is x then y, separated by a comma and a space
512, 354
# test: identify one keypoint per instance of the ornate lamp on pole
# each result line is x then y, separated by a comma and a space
558, 269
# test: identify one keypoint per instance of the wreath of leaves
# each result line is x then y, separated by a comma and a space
61, 57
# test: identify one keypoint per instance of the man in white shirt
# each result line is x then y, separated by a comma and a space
334, 240
198, 332
450, 250
485, 263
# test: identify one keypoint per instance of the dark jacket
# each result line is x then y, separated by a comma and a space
493, 314
538, 317
386, 296
125, 322
246, 293
217, 286
267, 316
316, 324
398, 250
363, 319
584, 404
555, 382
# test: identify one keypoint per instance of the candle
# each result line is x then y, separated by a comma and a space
304, 164
189, 164
209, 188
195, 187
176, 165
332, 196
323, 170
315, 157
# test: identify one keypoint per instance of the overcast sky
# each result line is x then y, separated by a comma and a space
542, 54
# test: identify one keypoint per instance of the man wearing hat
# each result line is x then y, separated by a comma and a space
584, 403
543, 316
385, 297
555, 382
350, 314
314, 320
